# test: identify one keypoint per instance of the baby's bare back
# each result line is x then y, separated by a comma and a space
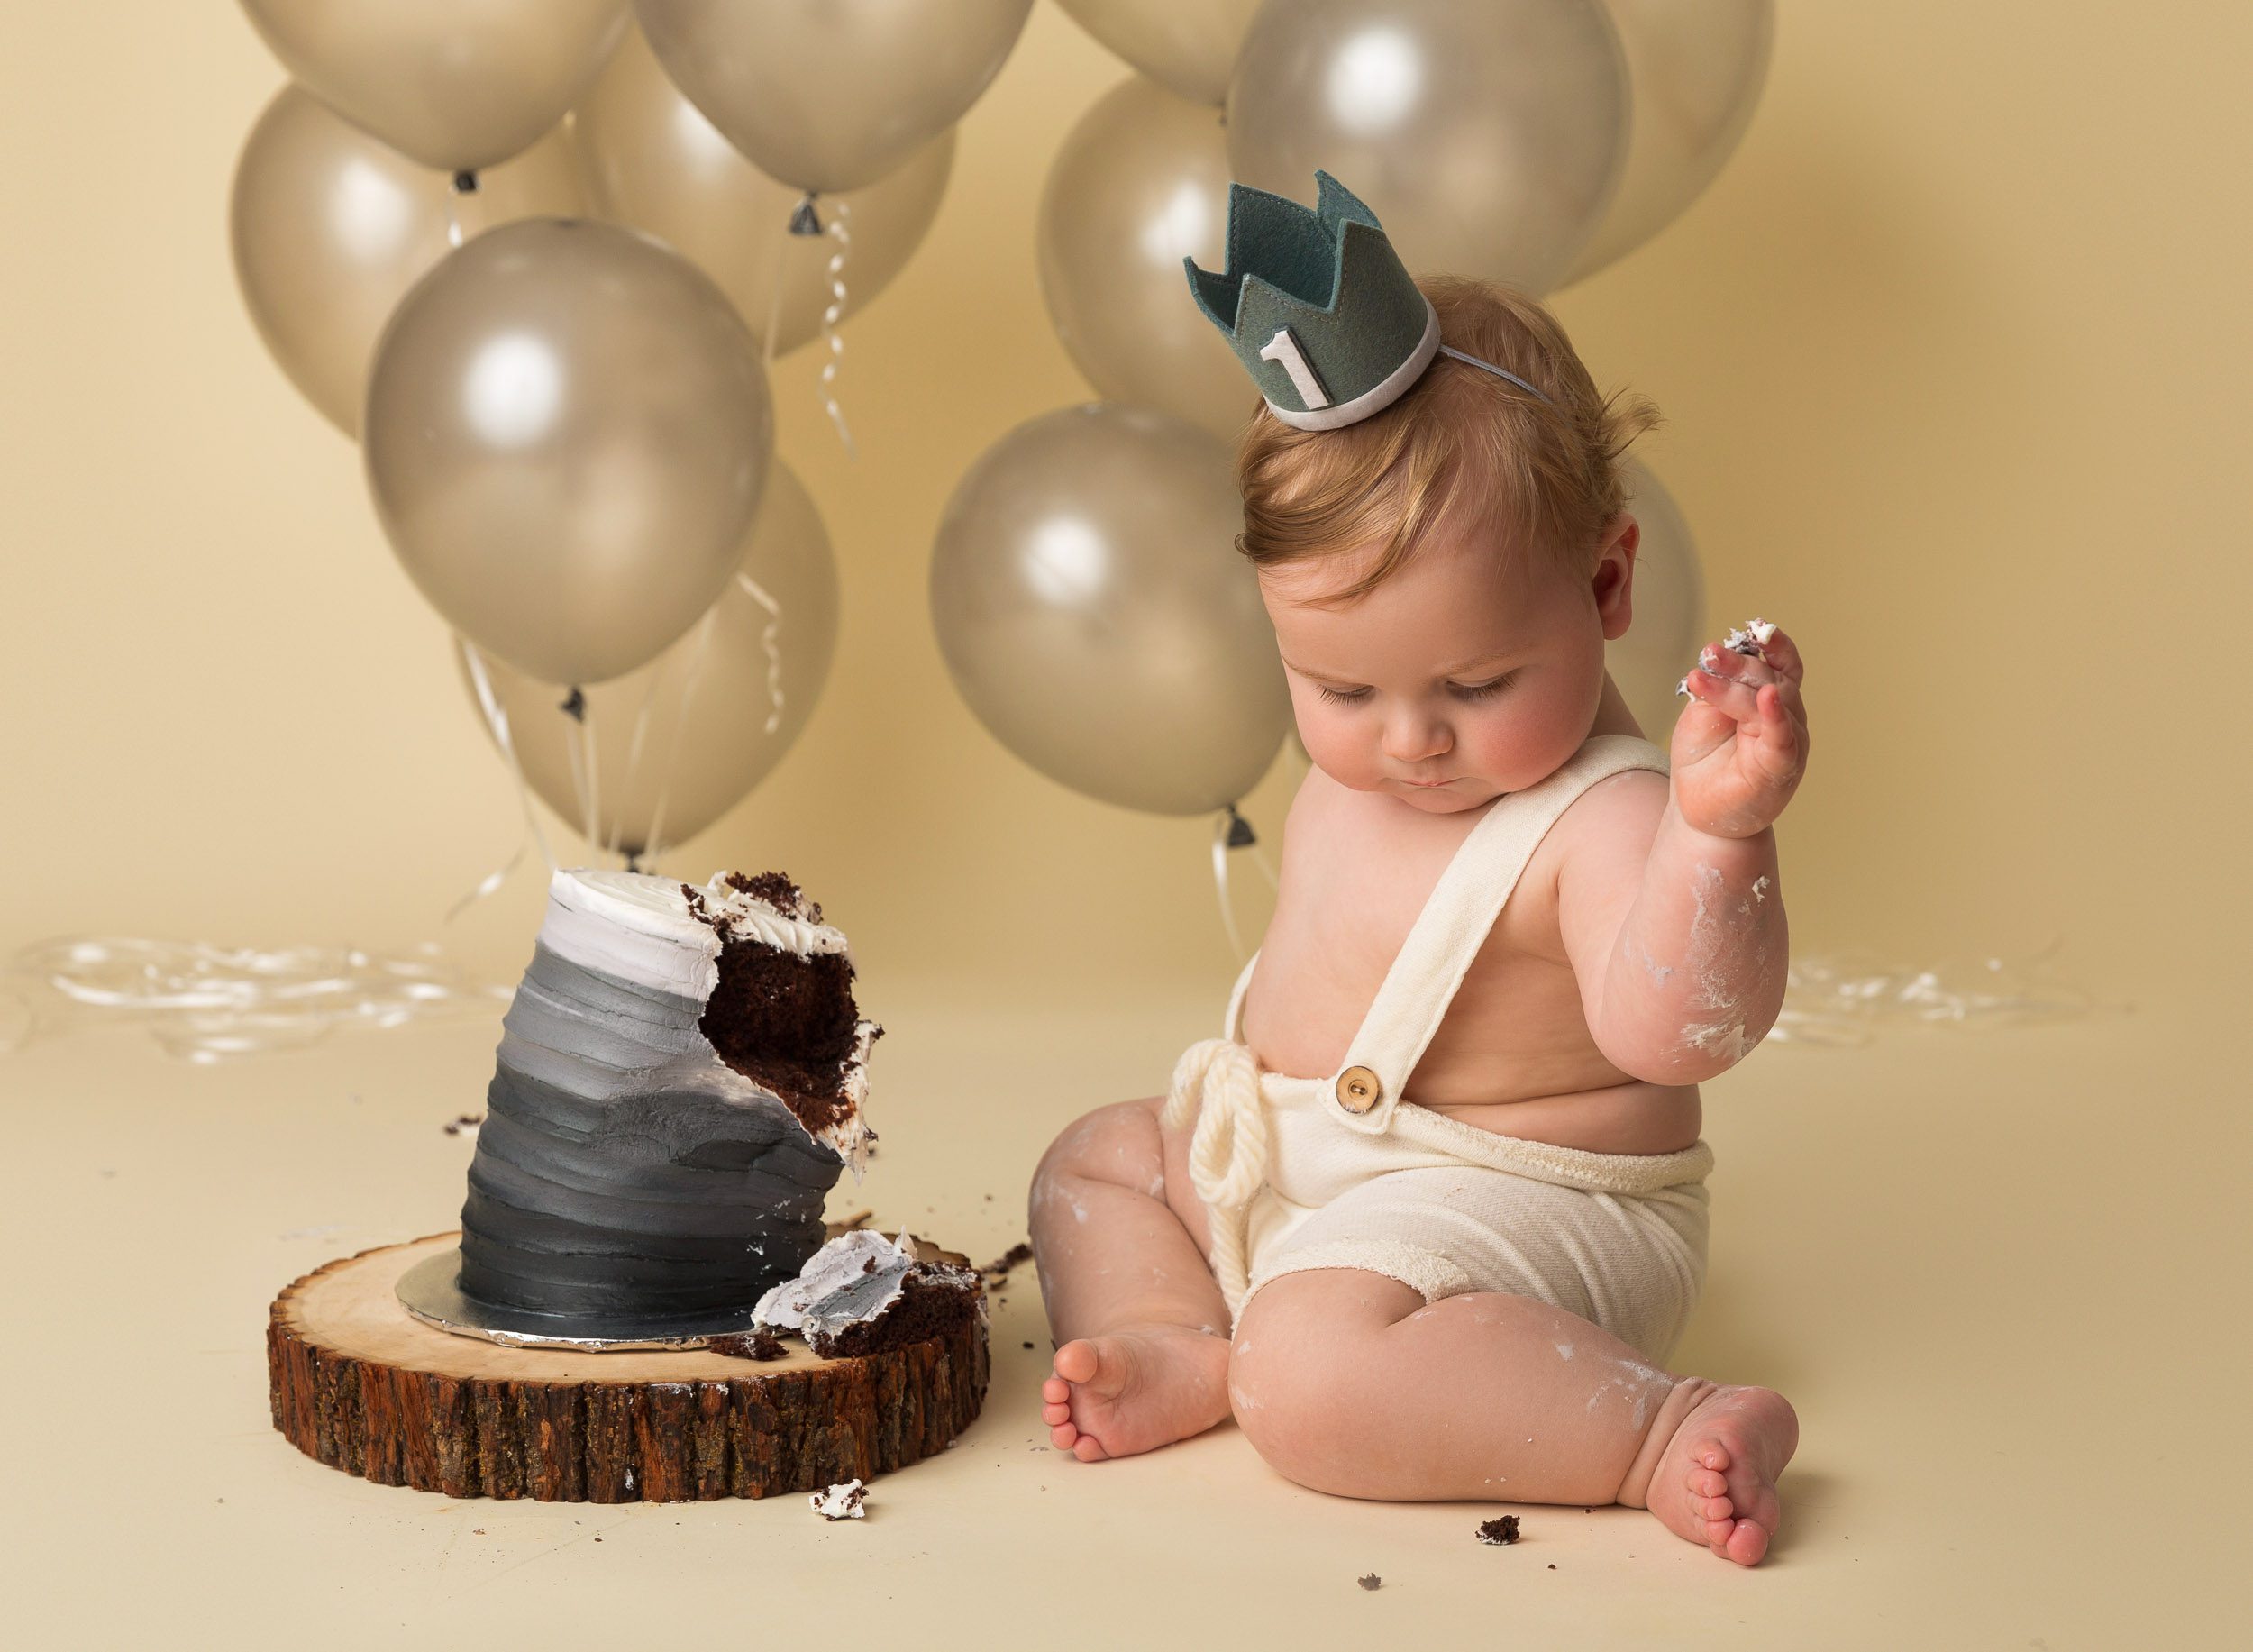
1513, 1053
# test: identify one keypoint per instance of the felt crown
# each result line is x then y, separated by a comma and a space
1318, 306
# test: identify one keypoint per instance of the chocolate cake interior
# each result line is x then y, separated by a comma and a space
781, 1020
926, 1308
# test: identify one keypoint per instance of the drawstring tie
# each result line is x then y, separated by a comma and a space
1217, 1079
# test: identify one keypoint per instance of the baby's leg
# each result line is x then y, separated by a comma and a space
1142, 1328
1346, 1381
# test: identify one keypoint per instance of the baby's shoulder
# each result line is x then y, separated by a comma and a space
1594, 856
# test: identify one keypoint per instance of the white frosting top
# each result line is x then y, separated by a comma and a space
642, 928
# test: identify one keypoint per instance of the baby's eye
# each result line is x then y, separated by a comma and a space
1485, 690
1341, 696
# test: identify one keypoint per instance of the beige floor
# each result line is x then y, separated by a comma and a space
2012, 1318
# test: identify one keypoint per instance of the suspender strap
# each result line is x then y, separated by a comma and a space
1453, 925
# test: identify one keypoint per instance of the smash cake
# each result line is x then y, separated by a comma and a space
680, 1082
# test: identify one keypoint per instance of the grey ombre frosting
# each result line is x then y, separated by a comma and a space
627, 1181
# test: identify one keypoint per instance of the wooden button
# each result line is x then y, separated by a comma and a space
1358, 1090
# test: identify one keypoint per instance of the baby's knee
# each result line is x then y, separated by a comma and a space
1295, 1389
1117, 1143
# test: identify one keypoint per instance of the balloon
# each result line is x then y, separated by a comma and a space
1141, 182
1189, 50
1669, 607
330, 228
567, 431
1094, 614
1487, 138
651, 161
1694, 68
687, 734
456, 86
832, 94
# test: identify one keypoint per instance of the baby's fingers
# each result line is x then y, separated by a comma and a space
1783, 653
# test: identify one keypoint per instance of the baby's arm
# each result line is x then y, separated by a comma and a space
1681, 958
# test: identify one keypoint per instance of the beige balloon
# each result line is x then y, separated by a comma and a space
1141, 182
457, 85
1695, 70
832, 94
678, 742
567, 428
1189, 49
653, 161
1487, 138
330, 228
1668, 624
1095, 616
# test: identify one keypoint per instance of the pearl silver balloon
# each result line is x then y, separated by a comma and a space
1094, 614
1695, 70
1669, 603
330, 228
653, 161
567, 428
1140, 183
684, 739
832, 94
1488, 138
1187, 46
456, 86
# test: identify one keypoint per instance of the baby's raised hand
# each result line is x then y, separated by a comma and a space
1740, 745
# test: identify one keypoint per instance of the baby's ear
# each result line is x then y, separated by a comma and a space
1613, 582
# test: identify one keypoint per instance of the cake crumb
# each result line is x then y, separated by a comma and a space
842, 1502
998, 1268
1498, 1531
465, 1121
759, 1344
1750, 639
1371, 1581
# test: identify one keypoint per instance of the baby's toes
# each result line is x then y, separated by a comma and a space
1712, 1508
1063, 1436
1052, 1414
1088, 1451
1746, 1544
1707, 1483
1055, 1390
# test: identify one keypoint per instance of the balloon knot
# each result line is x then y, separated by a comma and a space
1240, 836
574, 704
804, 220
465, 183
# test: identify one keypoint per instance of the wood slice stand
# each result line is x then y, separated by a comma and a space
360, 1384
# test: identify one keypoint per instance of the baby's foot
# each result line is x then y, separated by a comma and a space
1716, 1480
1135, 1389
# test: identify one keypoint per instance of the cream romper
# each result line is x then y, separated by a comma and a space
1345, 1172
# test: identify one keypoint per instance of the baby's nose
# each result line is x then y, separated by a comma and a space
1412, 739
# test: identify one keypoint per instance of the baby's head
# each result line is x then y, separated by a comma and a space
1443, 575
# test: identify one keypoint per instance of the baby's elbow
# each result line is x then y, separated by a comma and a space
1689, 1053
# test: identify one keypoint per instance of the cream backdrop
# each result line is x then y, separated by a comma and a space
1954, 360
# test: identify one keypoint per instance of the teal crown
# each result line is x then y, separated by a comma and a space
1318, 306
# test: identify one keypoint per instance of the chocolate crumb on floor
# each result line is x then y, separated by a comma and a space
1372, 1581
1028, 1345
1502, 1531
760, 1344
998, 1268
466, 1122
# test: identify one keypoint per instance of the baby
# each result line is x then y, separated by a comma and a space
1429, 1217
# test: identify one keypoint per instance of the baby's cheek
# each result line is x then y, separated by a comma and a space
1335, 747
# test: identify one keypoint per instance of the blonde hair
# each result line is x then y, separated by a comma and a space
1462, 447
